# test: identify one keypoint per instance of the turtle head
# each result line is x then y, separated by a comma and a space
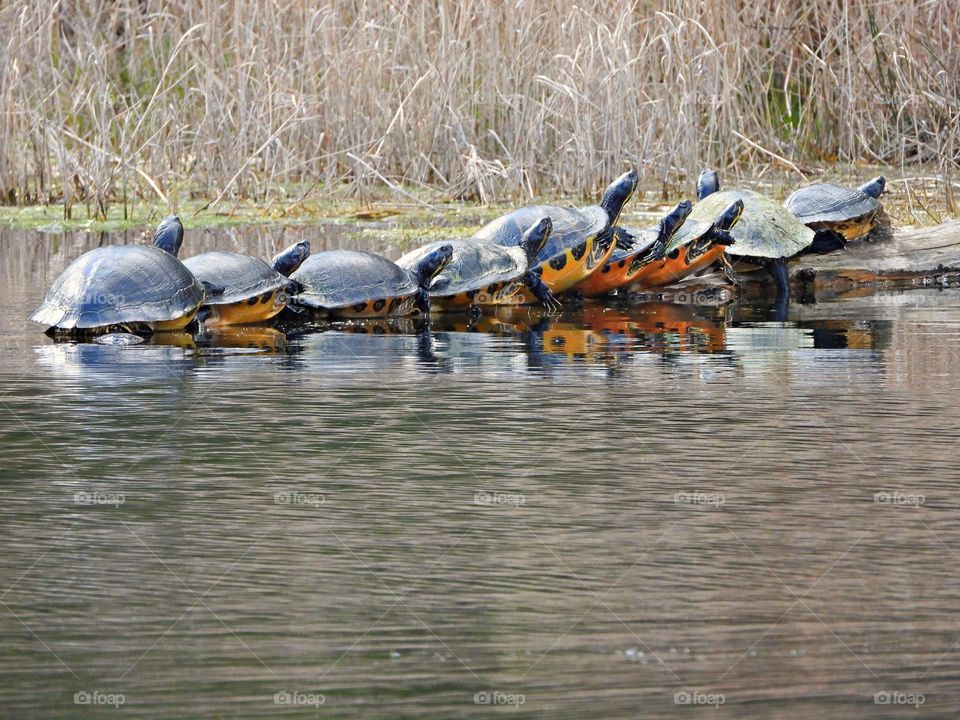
707, 184
670, 223
426, 270
719, 232
169, 235
616, 196
875, 187
288, 260
536, 237
431, 264
666, 229
729, 217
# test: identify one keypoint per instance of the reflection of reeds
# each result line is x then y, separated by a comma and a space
104, 101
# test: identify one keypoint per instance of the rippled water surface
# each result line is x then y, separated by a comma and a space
614, 513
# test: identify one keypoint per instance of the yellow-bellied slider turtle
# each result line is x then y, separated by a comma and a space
636, 249
350, 283
130, 288
696, 245
241, 289
767, 234
483, 273
849, 212
581, 241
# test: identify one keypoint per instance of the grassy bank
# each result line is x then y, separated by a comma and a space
915, 199
173, 102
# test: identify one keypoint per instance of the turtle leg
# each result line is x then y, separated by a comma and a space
781, 308
540, 290
625, 241
778, 269
728, 272
656, 252
605, 238
423, 301
721, 237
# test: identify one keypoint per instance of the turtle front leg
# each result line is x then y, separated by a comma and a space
722, 237
657, 252
625, 241
605, 239
728, 272
540, 290
423, 301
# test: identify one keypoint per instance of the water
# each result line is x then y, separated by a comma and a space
604, 515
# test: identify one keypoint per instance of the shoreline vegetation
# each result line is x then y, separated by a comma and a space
113, 114
916, 200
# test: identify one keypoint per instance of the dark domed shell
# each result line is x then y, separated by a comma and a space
120, 284
826, 203
571, 226
338, 278
241, 276
474, 265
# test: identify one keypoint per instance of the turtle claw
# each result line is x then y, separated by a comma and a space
549, 301
624, 240
657, 252
553, 306
723, 237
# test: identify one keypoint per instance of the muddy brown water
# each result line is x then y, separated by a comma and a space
658, 511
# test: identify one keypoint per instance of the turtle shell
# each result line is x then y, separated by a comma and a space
827, 203
241, 276
765, 230
571, 226
339, 278
475, 265
120, 284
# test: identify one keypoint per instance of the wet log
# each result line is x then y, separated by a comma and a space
899, 259
920, 257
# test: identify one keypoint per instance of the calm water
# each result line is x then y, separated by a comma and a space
603, 515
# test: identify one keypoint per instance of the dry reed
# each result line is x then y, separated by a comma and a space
105, 101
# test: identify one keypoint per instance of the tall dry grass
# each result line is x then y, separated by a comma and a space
105, 101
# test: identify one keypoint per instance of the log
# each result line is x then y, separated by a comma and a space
888, 259
920, 257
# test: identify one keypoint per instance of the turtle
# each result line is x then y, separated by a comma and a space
767, 234
581, 241
696, 245
124, 288
635, 250
352, 283
483, 273
243, 290
849, 212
